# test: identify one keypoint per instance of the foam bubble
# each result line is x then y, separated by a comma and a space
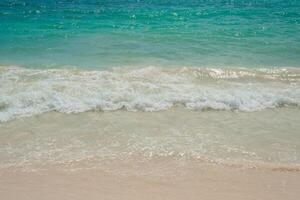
26, 92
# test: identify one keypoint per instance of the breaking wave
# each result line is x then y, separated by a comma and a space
26, 92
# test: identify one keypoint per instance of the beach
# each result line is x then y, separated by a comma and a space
149, 99
210, 182
63, 156
149, 133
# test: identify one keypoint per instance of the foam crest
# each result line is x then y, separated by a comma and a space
26, 92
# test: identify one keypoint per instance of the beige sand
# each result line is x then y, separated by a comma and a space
214, 183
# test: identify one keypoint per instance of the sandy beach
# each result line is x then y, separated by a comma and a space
116, 155
206, 182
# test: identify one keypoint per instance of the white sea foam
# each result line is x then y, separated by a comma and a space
25, 92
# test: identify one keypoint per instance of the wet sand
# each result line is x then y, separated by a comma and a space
143, 155
244, 138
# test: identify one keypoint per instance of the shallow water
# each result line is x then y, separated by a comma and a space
266, 139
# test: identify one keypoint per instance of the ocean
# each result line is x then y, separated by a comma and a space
101, 81
93, 34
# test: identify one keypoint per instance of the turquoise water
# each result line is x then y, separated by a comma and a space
103, 34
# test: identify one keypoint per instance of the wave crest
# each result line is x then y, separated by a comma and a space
25, 92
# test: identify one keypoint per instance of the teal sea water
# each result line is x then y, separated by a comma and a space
99, 34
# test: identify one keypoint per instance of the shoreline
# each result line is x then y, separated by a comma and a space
265, 139
151, 155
